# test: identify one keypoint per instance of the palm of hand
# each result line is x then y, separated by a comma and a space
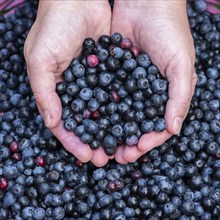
48, 50
51, 44
171, 49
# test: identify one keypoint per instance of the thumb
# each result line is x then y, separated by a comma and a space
182, 80
43, 85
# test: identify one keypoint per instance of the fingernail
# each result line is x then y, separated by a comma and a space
46, 118
177, 124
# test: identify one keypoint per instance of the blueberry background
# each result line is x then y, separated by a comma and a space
178, 180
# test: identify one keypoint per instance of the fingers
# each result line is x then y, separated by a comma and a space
131, 154
119, 157
180, 93
152, 139
41, 68
72, 143
99, 158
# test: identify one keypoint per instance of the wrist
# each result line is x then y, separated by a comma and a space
160, 4
72, 5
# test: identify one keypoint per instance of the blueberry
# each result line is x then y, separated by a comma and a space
116, 38
129, 212
143, 60
110, 141
159, 86
147, 126
121, 74
112, 63
10, 172
131, 140
82, 82
115, 118
138, 106
116, 52
200, 6
18, 190
215, 126
78, 105
142, 83
61, 88
72, 89
78, 70
159, 124
70, 124
103, 123
156, 100
82, 207
66, 112
16, 99
105, 201
93, 105
9, 199
130, 64
138, 95
111, 108
28, 212
101, 96
122, 92
150, 112
88, 43
86, 94
139, 73
86, 138
122, 107
104, 41
39, 213
105, 79
91, 80
117, 131
130, 128
58, 213
128, 54
90, 126
79, 130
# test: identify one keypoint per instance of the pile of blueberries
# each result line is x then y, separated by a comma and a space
112, 94
40, 180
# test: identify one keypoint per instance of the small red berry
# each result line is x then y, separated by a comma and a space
114, 96
67, 188
126, 43
79, 163
3, 183
40, 161
111, 186
118, 184
92, 60
13, 147
95, 114
16, 156
135, 51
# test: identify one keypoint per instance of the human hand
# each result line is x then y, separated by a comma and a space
160, 28
55, 38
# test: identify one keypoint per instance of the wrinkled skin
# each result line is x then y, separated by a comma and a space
160, 29
57, 35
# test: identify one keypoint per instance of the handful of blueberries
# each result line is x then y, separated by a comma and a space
112, 94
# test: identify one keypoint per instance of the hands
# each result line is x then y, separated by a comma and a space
158, 28
55, 38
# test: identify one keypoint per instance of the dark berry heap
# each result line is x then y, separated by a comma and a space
112, 95
40, 180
